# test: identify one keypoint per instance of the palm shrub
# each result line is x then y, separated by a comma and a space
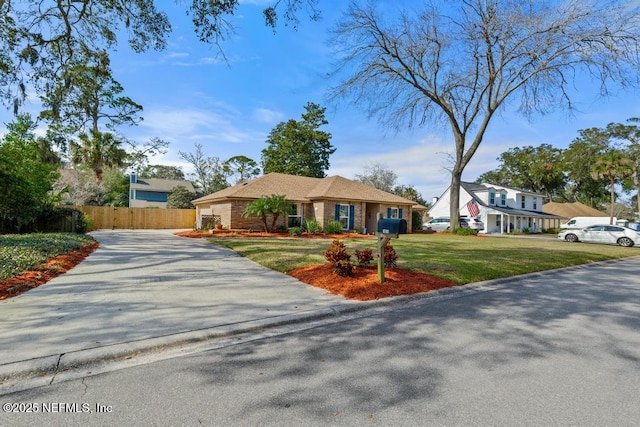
339, 258
295, 231
312, 226
333, 227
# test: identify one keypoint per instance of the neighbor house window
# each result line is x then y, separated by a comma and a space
492, 198
344, 216
295, 217
535, 203
503, 200
522, 202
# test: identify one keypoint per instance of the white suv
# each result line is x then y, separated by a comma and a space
444, 224
475, 223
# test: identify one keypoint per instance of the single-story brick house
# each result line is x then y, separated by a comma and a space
355, 205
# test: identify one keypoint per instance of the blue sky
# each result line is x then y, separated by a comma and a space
190, 95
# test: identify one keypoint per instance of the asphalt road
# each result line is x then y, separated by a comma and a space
561, 348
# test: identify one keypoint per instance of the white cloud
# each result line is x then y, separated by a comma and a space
265, 115
176, 55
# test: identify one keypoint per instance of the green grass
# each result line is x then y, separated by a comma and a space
20, 252
462, 259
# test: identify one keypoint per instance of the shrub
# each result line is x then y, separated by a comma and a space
333, 227
465, 232
364, 256
295, 231
416, 221
526, 230
390, 256
312, 226
339, 258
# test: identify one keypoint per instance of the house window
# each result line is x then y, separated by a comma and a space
295, 217
394, 213
498, 221
492, 198
503, 199
522, 202
535, 203
344, 216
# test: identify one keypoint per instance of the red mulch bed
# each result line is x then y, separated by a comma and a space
363, 286
44, 272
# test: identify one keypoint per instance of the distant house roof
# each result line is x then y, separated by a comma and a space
569, 210
161, 185
304, 189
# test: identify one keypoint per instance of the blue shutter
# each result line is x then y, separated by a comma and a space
337, 212
352, 212
388, 212
400, 213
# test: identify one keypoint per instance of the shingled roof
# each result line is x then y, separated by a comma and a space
569, 210
161, 185
304, 189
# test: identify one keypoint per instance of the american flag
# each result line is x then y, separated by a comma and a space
472, 207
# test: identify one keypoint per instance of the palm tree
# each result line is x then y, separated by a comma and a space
273, 205
98, 150
613, 167
278, 205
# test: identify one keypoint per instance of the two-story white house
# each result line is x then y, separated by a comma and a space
502, 209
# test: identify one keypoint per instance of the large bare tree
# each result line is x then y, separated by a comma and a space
458, 62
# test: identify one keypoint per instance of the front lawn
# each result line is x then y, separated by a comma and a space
21, 252
462, 259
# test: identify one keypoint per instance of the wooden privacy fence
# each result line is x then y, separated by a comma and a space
139, 218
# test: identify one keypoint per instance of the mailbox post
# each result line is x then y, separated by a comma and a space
388, 228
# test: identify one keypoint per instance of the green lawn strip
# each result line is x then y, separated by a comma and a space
462, 259
21, 252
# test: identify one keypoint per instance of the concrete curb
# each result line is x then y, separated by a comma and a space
42, 371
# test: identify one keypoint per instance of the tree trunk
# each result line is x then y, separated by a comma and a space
275, 219
636, 182
454, 197
613, 200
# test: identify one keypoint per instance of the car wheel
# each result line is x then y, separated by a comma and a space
625, 241
571, 238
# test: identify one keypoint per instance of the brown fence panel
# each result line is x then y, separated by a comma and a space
139, 218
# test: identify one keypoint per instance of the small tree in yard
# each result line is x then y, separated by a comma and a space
180, 198
266, 206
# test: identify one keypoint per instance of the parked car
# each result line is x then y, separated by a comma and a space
475, 223
585, 221
443, 224
609, 234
